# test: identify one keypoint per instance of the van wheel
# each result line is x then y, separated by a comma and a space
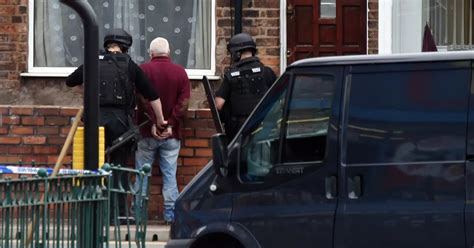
217, 241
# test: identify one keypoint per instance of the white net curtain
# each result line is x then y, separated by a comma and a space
58, 31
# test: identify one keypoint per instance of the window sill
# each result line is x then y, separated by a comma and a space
64, 75
199, 77
43, 74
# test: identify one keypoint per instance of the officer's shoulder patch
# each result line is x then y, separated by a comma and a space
256, 69
235, 74
101, 57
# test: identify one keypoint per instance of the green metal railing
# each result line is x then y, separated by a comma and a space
129, 205
74, 211
53, 212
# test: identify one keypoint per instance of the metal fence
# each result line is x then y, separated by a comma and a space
74, 211
129, 206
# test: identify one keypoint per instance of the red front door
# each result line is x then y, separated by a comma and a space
326, 28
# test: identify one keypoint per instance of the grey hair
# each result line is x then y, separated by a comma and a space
159, 46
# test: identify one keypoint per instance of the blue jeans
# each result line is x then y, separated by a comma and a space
167, 151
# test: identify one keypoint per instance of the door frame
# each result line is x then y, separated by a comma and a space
283, 34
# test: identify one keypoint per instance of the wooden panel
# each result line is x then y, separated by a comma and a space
308, 35
303, 54
327, 49
324, 54
350, 53
351, 31
301, 29
327, 34
327, 21
302, 2
303, 19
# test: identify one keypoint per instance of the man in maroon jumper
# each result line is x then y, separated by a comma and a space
173, 84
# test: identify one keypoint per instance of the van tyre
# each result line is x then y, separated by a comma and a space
217, 241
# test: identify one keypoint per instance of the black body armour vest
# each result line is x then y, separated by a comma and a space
116, 88
248, 86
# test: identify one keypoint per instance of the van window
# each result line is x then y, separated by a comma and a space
261, 135
407, 116
308, 118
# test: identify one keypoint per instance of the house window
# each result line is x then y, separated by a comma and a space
328, 9
451, 22
56, 32
402, 26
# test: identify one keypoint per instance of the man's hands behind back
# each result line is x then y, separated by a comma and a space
161, 133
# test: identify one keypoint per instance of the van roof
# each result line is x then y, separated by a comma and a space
380, 59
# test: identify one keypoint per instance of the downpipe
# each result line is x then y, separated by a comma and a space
91, 78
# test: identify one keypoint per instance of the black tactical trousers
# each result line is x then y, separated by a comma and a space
234, 126
115, 123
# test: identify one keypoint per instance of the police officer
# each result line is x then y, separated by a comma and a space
244, 83
119, 77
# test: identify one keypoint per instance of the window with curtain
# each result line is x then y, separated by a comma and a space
187, 24
451, 23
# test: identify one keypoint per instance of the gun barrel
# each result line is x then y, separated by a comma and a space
212, 105
125, 137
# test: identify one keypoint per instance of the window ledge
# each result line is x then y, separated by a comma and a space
64, 75
199, 77
43, 74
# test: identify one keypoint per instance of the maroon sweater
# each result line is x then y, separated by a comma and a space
173, 84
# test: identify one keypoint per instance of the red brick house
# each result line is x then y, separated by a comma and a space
41, 43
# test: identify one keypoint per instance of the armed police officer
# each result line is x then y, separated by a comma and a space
119, 78
244, 83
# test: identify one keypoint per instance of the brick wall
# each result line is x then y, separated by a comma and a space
37, 133
261, 19
13, 46
373, 27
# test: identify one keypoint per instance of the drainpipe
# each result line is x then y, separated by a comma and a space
238, 16
91, 85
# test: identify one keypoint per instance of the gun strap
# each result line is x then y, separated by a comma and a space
126, 125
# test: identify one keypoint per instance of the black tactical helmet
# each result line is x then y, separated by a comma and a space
119, 36
239, 43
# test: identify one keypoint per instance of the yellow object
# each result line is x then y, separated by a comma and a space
78, 149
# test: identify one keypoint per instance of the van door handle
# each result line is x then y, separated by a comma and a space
331, 187
354, 187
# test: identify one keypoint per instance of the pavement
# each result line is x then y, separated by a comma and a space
153, 233
156, 237
133, 245
112, 244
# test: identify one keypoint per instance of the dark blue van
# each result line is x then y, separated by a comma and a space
357, 151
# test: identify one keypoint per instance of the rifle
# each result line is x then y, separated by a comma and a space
212, 105
129, 135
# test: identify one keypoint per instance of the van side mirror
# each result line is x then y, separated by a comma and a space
219, 154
